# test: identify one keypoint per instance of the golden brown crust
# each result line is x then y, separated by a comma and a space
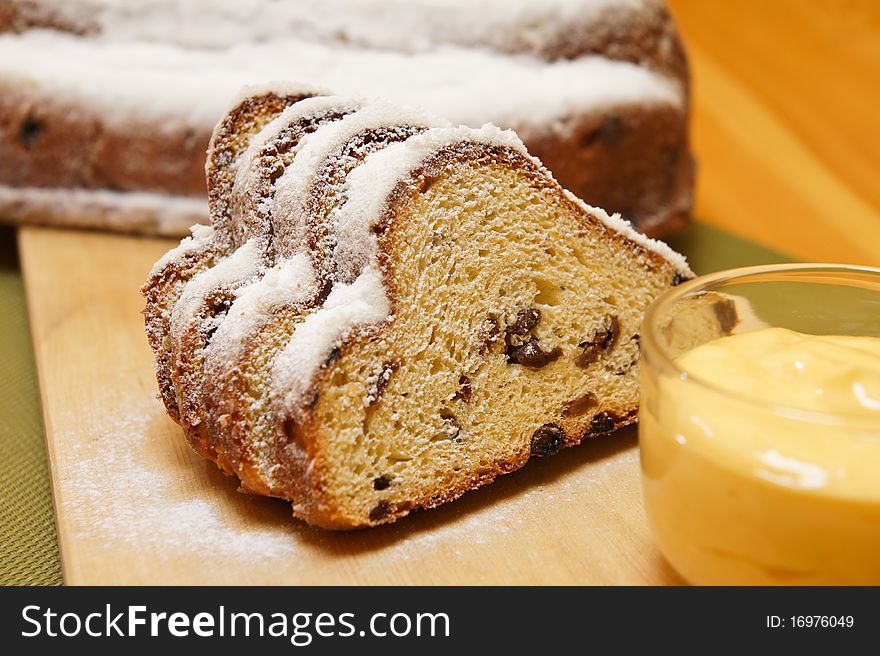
188, 347
229, 410
72, 149
647, 37
230, 139
21, 15
161, 292
50, 143
322, 199
66, 155
635, 161
186, 370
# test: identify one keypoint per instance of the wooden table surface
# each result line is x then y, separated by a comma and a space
786, 123
785, 129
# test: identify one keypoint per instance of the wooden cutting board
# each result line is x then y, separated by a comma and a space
134, 505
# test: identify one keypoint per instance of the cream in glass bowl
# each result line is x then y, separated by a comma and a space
760, 426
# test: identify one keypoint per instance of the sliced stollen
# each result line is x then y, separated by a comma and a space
411, 310
238, 359
252, 110
481, 315
206, 298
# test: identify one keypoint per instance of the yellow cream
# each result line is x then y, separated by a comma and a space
763, 466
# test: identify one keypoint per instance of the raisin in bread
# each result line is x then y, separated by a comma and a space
106, 108
433, 310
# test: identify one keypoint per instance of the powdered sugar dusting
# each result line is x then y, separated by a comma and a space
368, 187
129, 211
170, 67
361, 303
120, 495
133, 84
144, 491
618, 224
293, 188
244, 263
289, 281
276, 87
272, 148
306, 108
418, 25
201, 237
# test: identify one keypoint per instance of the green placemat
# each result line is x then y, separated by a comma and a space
28, 539
710, 249
28, 544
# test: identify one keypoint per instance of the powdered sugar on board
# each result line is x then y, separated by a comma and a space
167, 505
128, 496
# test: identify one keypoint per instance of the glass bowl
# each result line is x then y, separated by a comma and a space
740, 489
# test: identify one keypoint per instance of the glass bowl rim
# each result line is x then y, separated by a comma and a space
653, 351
